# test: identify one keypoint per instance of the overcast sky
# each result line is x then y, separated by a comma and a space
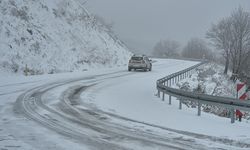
142, 23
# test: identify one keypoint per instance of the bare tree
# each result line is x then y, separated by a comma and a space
102, 22
108, 27
232, 35
166, 48
198, 49
245, 68
221, 36
241, 33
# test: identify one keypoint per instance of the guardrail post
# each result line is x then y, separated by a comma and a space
170, 82
163, 96
232, 115
169, 100
158, 94
199, 108
180, 104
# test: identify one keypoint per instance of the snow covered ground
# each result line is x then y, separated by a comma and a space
107, 109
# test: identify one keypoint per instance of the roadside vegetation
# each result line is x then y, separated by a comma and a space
210, 79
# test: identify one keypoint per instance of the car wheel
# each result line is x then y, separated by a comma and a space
150, 69
129, 69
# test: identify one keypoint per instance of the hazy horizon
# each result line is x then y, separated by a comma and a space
140, 24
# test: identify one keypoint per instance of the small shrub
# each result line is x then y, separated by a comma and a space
35, 47
22, 14
30, 31
22, 39
14, 67
7, 32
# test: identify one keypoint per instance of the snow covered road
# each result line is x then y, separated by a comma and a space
103, 109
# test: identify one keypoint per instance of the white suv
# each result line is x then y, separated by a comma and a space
139, 62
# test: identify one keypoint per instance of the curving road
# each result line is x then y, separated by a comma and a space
59, 107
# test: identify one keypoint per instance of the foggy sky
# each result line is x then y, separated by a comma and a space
142, 23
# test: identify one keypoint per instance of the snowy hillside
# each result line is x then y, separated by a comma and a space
54, 36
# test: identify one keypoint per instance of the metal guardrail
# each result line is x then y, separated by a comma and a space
164, 86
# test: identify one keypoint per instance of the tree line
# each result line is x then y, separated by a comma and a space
230, 40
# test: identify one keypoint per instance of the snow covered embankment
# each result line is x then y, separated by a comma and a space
210, 80
54, 36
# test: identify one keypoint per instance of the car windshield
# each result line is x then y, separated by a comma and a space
136, 58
